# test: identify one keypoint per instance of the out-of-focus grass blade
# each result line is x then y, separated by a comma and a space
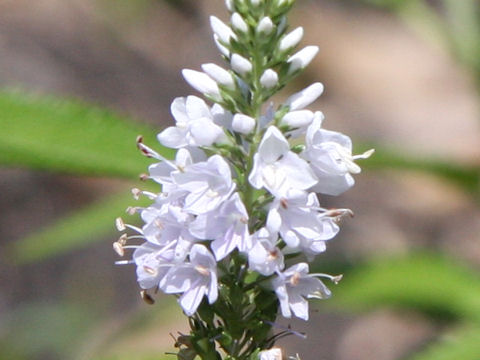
467, 177
463, 344
77, 230
422, 281
67, 136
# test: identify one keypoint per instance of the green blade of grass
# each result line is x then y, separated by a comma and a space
423, 281
67, 136
75, 231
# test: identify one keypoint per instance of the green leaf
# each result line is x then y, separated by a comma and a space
423, 281
71, 137
463, 344
465, 176
85, 226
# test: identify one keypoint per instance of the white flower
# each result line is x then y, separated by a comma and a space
243, 124
265, 26
296, 217
238, 23
269, 79
220, 75
208, 184
223, 31
194, 125
227, 226
161, 171
305, 97
265, 257
330, 155
194, 279
301, 59
202, 83
153, 262
294, 286
291, 40
276, 168
241, 65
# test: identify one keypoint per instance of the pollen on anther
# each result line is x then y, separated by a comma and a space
136, 193
149, 270
120, 224
284, 203
117, 246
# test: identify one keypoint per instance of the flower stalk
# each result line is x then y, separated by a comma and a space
238, 208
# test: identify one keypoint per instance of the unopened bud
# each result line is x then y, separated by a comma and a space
265, 26
243, 124
241, 65
238, 23
201, 82
291, 40
220, 75
269, 79
223, 31
301, 59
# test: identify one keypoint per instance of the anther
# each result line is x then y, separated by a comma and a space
202, 270
284, 203
122, 240
120, 224
149, 270
295, 279
337, 279
118, 247
131, 210
144, 177
147, 298
136, 193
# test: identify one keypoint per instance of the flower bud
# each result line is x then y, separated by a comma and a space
255, 2
265, 26
240, 64
201, 82
301, 59
238, 23
243, 124
229, 4
223, 50
299, 118
305, 97
291, 40
220, 75
223, 31
269, 79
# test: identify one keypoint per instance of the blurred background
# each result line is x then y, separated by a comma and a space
79, 79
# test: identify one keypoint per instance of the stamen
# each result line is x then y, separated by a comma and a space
122, 240
202, 270
124, 262
149, 270
333, 278
144, 177
147, 297
284, 203
365, 155
120, 224
118, 248
136, 193
339, 213
295, 279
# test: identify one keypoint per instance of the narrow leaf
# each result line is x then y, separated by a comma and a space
68, 136
75, 231
423, 281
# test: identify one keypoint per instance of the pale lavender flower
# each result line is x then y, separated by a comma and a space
207, 183
194, 280
294, 286
276, 168
265, 257
227, 226
194, 125
330, 155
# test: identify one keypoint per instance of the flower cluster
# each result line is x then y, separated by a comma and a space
239, 203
